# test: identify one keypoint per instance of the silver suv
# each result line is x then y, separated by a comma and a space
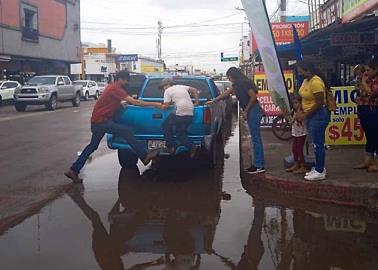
48, 91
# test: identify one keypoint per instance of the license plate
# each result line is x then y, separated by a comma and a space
156, 145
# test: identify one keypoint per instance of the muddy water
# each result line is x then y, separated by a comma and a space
182, 216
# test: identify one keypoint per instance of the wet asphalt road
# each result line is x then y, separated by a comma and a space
182, 216
37, 145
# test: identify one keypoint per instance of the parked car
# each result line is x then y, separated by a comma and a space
223, 86
101, 87
146, 122
90, 89
7, 89
48, 91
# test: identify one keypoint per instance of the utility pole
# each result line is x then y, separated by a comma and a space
283, 11
160, 32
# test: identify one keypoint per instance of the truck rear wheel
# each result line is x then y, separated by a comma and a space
210, 156
76, 100
20, 107
52, 103
127, 158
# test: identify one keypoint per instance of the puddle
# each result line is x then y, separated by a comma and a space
182, 217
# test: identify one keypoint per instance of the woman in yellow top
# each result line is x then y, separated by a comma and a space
315, 113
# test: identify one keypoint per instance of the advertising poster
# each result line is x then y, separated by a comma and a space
283, 32
271, 110
345, 127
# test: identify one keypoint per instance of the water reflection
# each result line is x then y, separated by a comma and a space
254, 248
158, 215
308, 237
168, 219
176, 217
333, 241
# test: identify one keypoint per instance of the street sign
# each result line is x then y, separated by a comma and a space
229, 59
127, 58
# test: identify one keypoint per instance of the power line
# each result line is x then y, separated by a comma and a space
210, 20
205, 29
192, 24
166, 27
166, 34
222, 49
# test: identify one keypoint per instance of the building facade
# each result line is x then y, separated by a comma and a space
139, 64
345, 34
98, 62
38, 37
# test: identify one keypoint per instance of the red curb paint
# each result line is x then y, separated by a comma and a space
342, 194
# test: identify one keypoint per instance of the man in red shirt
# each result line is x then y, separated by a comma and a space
110, 101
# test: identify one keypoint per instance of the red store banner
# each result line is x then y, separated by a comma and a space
283, 32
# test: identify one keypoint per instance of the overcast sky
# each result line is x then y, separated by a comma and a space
212, 26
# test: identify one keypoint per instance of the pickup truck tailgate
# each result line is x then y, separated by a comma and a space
147, 122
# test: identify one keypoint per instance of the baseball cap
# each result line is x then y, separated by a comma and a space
165, 81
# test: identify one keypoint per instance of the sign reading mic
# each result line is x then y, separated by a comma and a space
127, 58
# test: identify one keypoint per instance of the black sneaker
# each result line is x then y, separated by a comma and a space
254, 170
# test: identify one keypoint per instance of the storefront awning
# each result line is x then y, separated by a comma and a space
319, 40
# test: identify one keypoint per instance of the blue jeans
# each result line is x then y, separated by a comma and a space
181, 124
369, 121
254, 120
316, 126
98, 132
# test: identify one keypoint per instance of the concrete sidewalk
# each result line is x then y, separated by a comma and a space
343, 185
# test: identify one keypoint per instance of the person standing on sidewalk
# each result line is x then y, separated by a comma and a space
299, 132
362, 101
246, 92
112, 99
368, 114
315, 112
182, 118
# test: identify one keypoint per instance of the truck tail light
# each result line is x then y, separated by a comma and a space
207, 115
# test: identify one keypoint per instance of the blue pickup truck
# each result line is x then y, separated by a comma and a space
147, 122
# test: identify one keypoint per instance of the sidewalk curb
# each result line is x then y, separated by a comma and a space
326, 191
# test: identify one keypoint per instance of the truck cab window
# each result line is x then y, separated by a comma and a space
152, 89
60, 81
66, 81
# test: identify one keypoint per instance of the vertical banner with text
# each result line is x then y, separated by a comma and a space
345, 127
270, 109
260, 24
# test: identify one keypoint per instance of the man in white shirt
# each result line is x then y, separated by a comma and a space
181, 119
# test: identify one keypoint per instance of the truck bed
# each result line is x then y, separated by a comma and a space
146, 122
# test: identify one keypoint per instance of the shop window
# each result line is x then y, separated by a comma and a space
29, 18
